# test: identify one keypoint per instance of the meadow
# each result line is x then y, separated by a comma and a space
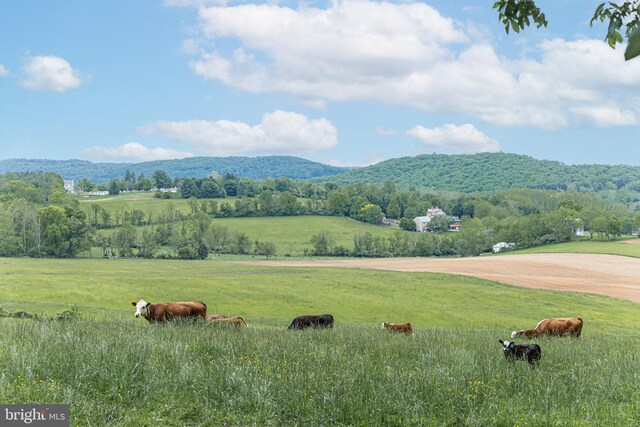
117, 370
610, 247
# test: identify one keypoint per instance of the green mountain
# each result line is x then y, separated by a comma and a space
196, 167
490, 172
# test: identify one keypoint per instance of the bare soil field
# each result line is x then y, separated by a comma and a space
611, 275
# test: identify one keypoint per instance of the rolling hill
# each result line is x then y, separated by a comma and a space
490, 172
192, 167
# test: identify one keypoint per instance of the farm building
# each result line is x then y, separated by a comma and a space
503, 245
422, 222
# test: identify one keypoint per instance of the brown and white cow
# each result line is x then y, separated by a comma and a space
571, 326
237, 321
163, 311
405, 328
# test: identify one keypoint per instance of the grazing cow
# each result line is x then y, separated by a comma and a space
229, 321
163, 311
211, 317
560, 326
312, 321
405, 328
529, 352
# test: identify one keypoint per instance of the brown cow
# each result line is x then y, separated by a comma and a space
405, 328
163, 311
211, 317
229, 321
560, 326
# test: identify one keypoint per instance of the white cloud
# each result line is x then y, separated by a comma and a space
454, 139
3, 71
133, 152
409, 54
49, 73
279, 132
382, 131
605, 116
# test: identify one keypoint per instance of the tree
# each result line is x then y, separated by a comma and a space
162, 179
407, 224
322, 243
85, 185
393, 209
188, 188
267, 249
440, 223
114, 187
371, 214
518, 14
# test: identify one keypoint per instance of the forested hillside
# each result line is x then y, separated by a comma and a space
490, 172
198, 167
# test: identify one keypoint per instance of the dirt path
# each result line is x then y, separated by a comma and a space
611, 275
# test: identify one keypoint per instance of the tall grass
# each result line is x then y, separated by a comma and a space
117, 372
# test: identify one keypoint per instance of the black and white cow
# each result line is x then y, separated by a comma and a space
529, 352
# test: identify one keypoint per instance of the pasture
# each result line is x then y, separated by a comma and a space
117, 370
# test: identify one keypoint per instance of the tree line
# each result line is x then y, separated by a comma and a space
37, 218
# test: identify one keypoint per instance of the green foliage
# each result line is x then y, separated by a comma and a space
490, 172
619, 15
518, 14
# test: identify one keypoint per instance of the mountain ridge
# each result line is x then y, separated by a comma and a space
482, 172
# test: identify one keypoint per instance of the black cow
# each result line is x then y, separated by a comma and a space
529, 352
312, 321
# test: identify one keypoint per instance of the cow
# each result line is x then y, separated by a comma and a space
312, 321
405, 328
164, 311
571, 326
237, 321
529, 352
211, 317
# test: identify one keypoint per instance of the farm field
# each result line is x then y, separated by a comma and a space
292, 235
117, 370
627, 247
611, 275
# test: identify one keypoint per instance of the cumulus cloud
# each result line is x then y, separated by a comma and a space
3, 71
49, 73
134, 152
454, 139
280, 132
409, 54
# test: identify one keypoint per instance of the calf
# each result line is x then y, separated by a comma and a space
211, 317
312, 321
529, 352
163, 311
229, 321
405, 328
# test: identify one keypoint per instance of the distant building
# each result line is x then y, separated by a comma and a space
422, 222
69, 186
503, 245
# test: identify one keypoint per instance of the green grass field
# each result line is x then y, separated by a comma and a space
142, 201
611, 247
117, 370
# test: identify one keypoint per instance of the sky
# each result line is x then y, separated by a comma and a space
346, 83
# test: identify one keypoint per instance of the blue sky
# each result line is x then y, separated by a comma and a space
347, 83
